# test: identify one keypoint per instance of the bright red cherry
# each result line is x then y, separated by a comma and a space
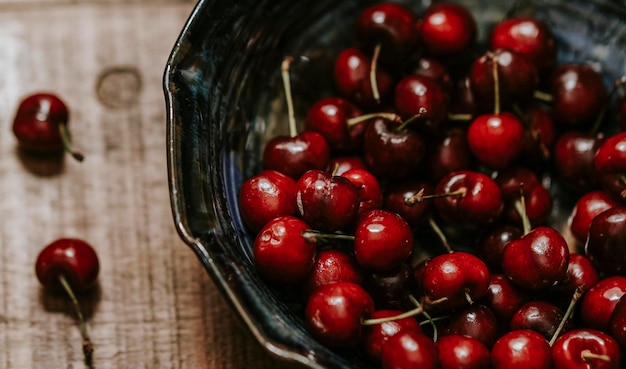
521, 349
281, 253
448, 29
334, 313
265, 196
332, 266
586, 349
496, 140
610, 164
598, 303
41, 125
423, 97
581, 274
382, 240
518, 181
370, 193
461, 352
409, 349
587, 207
329, 117
374, 337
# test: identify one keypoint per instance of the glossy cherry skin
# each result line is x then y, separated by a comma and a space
480, 205
265, 196
580, 274
587, 207
341, 164
71, 258
578, 93
435, 70
417, 95
539, 316
504, 298
598, 303
496, 140
606, 244
331, 266
37, 123
573, 157
617, 323
572, 350
476, 321
329, 117
458, 276
392, 153
281, 254
537, 199
382, 240
448, 153
448, 29
370, 192
537, 260
521, 349
334, 313
392, 26
352, 78
326, 202
461, 352
491, 247
409, 349
517, 78
610, 162
397, 194
374, 337
295, 155
529, 37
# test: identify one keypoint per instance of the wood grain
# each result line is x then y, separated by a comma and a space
155, 306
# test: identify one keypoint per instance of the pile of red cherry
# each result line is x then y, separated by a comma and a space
415, 212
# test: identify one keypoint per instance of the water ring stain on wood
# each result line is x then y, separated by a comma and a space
119, 87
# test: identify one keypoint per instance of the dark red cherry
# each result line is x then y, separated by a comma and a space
409, 349
520, 181
448, 29
610, 163
521, 349
540, 135
374, 337
606, 244
586, 349
587, 207
578, 93
617, 323
435, 70
492, 246
396, 196
294, 155
462, 100
265, 196
341, 164
537, 260
460, 277
573, 157
335, 311
41, 125
382, 240
370, 193
392, 26
448, 153
352, 78
391, 289
461, 352
504, 298
598, 303
72, 259
282, 254
423, 97
496, 140
327, 202
329, 117
529, 37
539, 316
332, 266
477, 199
581, 274
476, 321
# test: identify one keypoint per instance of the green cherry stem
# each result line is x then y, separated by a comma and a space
413, 312
67, 142
313, 235
284, 69
373, 81
82, 325
570, 310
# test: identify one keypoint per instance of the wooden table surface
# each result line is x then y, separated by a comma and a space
155, 307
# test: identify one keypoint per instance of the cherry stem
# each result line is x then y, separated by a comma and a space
520, 207
413, 312
428, 317
373, 80
587, 354
313, 235
496, 84
419, 197
82, 325
284, 69
568, 313
412, 119
364, 117
543, 96
435, 227
460, 117
468, 297
67, 142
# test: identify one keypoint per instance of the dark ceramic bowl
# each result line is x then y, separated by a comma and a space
224, 99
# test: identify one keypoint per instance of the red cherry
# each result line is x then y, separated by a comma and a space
459, 276
334, 313
573, 157
374, 337
391, 289
586, 349
581, 274
539, 316
537, 203
448, 29
265, 196
370, 193
492, 246
586, 208
496, 140
341, 164
448, 153
421, 96
40, 125
408, 350
330, 117
382, 240
529, 37
504, 298
521, 349
326, 202
396, 196
537, 260
617, 323
598, 303
476, 321
294, 155
606, 243
461, 352
332, 266
281, 253
609, 163
435, 70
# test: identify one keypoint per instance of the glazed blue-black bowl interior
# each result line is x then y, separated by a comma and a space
224, 99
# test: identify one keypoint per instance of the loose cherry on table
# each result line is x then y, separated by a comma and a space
72, 265
41, 125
